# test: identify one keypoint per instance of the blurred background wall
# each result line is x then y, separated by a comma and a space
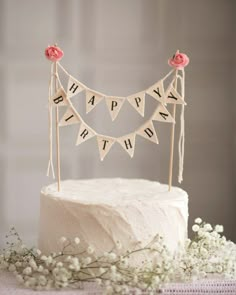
118, 47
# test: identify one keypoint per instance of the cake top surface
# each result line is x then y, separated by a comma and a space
113, 191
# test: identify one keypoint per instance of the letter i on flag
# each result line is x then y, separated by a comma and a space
69, 118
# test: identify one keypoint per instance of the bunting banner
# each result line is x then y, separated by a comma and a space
114, 104
165, 91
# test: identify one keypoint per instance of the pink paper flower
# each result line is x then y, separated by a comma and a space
53, 53
179, 60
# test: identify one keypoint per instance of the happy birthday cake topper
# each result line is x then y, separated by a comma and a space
61, 97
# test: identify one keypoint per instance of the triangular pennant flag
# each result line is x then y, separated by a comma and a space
74, 87
157, 91
84, 134
92, 99
59, 98
104, 145
172, 96
69, 118
161, 114
114, 105
128, 143
148, 131
138, 102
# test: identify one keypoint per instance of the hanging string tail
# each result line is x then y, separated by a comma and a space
182, 131
50, 93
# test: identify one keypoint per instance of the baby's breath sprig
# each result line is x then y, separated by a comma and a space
207, 254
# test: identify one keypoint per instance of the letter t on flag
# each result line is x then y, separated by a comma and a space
104, 145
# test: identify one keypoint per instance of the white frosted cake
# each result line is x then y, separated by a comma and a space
103, 211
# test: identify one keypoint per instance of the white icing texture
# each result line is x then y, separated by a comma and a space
103, 211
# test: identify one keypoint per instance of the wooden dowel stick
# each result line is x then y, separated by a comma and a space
57, 139
172, 141
58, 151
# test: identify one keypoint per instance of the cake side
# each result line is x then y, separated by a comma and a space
103, 211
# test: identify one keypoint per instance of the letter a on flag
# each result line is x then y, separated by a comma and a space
161, 114
92, 99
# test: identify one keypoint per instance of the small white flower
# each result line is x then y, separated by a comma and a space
219, 268
77, 240
42, 280
112, 256
198, 220
32, 263
40, 268
90, 250
113, 268
118, 245
87, 260
195, 228
18, 264
20, 278
27, 270
219, 228
101, 270
12, 268
49, 260
43, 257
98, 281
63, 240
59, 264
207, 227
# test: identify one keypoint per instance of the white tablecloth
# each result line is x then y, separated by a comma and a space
9, 286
